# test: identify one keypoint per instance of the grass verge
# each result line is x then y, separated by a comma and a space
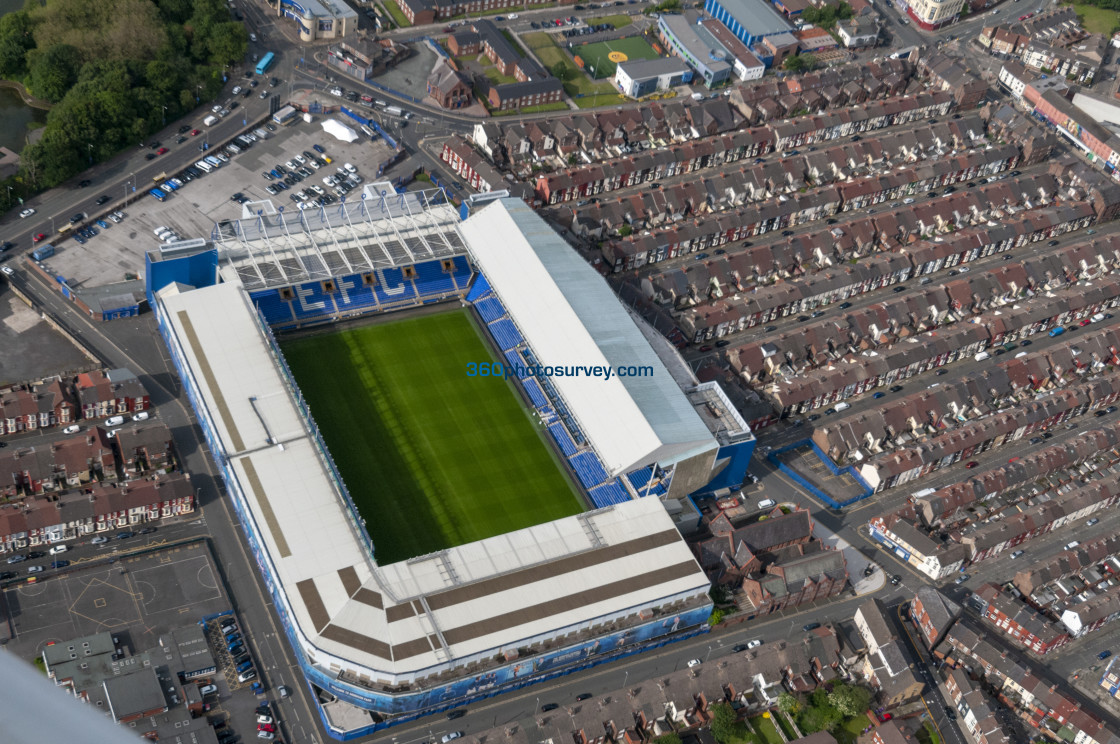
398, 15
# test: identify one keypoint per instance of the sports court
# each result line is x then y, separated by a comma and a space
600, 58
432, 457
146, 595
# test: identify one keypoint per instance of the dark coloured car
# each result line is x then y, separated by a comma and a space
770, 329
151, 156
810, 626
60, 564
456, 714
896, 580
1026, 342
86, 182
1104, 655
549, 706
705, 348
584, 696
832, 220
814, 416
318, 148
184, 129
34, 554
802, 318
895, 388
102, 199
125, 535
829, 411
899, 289
722, 343
8, 575
878, 395
1052, 243
787, 233
845, 305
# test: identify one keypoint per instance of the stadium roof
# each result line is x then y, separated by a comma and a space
413, 618
569, 316
758, 17
273, 247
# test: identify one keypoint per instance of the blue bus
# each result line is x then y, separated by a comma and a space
265, 63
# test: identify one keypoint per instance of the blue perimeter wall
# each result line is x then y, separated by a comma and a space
867, 490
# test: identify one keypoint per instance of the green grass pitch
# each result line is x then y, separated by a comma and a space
595, 54
432, 458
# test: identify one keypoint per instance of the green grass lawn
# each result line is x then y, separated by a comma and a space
594, 55
765, 729
398, 15
496, 77
617, 21
586, 92
432, 458
1097, 20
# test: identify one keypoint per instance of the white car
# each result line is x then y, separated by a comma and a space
266, 735
7, 270
72, 429
300, 159
99, 540
754, 644
207, 690
236, 90
453, 735
512, 16
26, 213
264, 719
142, 416
58, 549
216, 108
693, 662
349, 168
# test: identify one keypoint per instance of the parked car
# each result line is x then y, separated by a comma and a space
810, 626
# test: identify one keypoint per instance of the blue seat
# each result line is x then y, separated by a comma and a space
608, 494
588, 469
490, 309
533, 390
563, 440
505, 333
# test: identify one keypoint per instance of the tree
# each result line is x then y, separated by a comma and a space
561, 71
667, 739
15, 41
625, 230
716, 617
850, 700
726, 726
227, 43
795, 63
814, 719
54, 71
789, 704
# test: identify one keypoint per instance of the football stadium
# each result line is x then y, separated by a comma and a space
432, 535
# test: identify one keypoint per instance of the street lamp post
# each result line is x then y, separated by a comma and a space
165, 116
198, 93
89, 149
707, 654
9, 196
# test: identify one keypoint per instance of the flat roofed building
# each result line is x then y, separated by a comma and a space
692, 43
749, 20
643, 77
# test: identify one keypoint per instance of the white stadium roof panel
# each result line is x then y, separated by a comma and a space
569, 316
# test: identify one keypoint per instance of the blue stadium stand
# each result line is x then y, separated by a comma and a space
513, 358
490, 309
588, 469
506, 334
563, 440
536, 397
480, 289
639, 478
608, 494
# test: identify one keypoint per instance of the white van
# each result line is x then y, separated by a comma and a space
1097, 318
210, 120
203, 166
1072, 545
114, 421
982, 356
767, 504
842, 406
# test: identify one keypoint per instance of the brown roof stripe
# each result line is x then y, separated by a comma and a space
369, 597
361, 642
399, 612
315, 607
544, 571
563, 604
265, 507
211, 382
350, 581
411, 648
